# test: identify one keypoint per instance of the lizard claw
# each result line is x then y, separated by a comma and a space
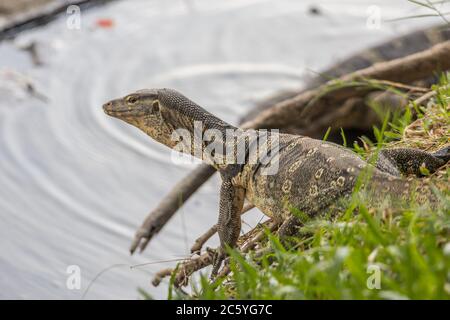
218, 256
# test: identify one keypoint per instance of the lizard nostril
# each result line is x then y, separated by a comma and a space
107, 106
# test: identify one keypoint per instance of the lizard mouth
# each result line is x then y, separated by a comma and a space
109, 108
114, 110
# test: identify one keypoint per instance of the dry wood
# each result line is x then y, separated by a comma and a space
200, 241
186, 269
169, 205
404, 70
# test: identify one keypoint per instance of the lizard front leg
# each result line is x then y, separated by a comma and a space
229, 224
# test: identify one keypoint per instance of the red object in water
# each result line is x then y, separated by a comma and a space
105, 23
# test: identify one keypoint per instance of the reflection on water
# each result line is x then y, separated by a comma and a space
75, 184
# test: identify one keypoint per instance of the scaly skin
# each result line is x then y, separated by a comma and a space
312, 175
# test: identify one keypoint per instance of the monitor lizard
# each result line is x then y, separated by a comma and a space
312, 175
353, 120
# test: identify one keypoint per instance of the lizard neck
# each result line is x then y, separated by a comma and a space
193, 130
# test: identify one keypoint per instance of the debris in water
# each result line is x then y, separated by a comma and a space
11, 79
32, 49
315, 11
105, 23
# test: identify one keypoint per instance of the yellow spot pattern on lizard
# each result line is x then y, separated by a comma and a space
311, 152
340, 181
295, 166
318, 173
286, 187
263, 179
313, 191
292, 145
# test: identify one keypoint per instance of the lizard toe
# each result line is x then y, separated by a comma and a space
217, 259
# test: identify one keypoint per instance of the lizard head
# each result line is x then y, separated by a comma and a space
159, 112
144, 110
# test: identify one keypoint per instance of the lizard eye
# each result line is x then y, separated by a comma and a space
131, 99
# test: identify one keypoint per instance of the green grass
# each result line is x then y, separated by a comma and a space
364, 252
360, 255
338, 259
